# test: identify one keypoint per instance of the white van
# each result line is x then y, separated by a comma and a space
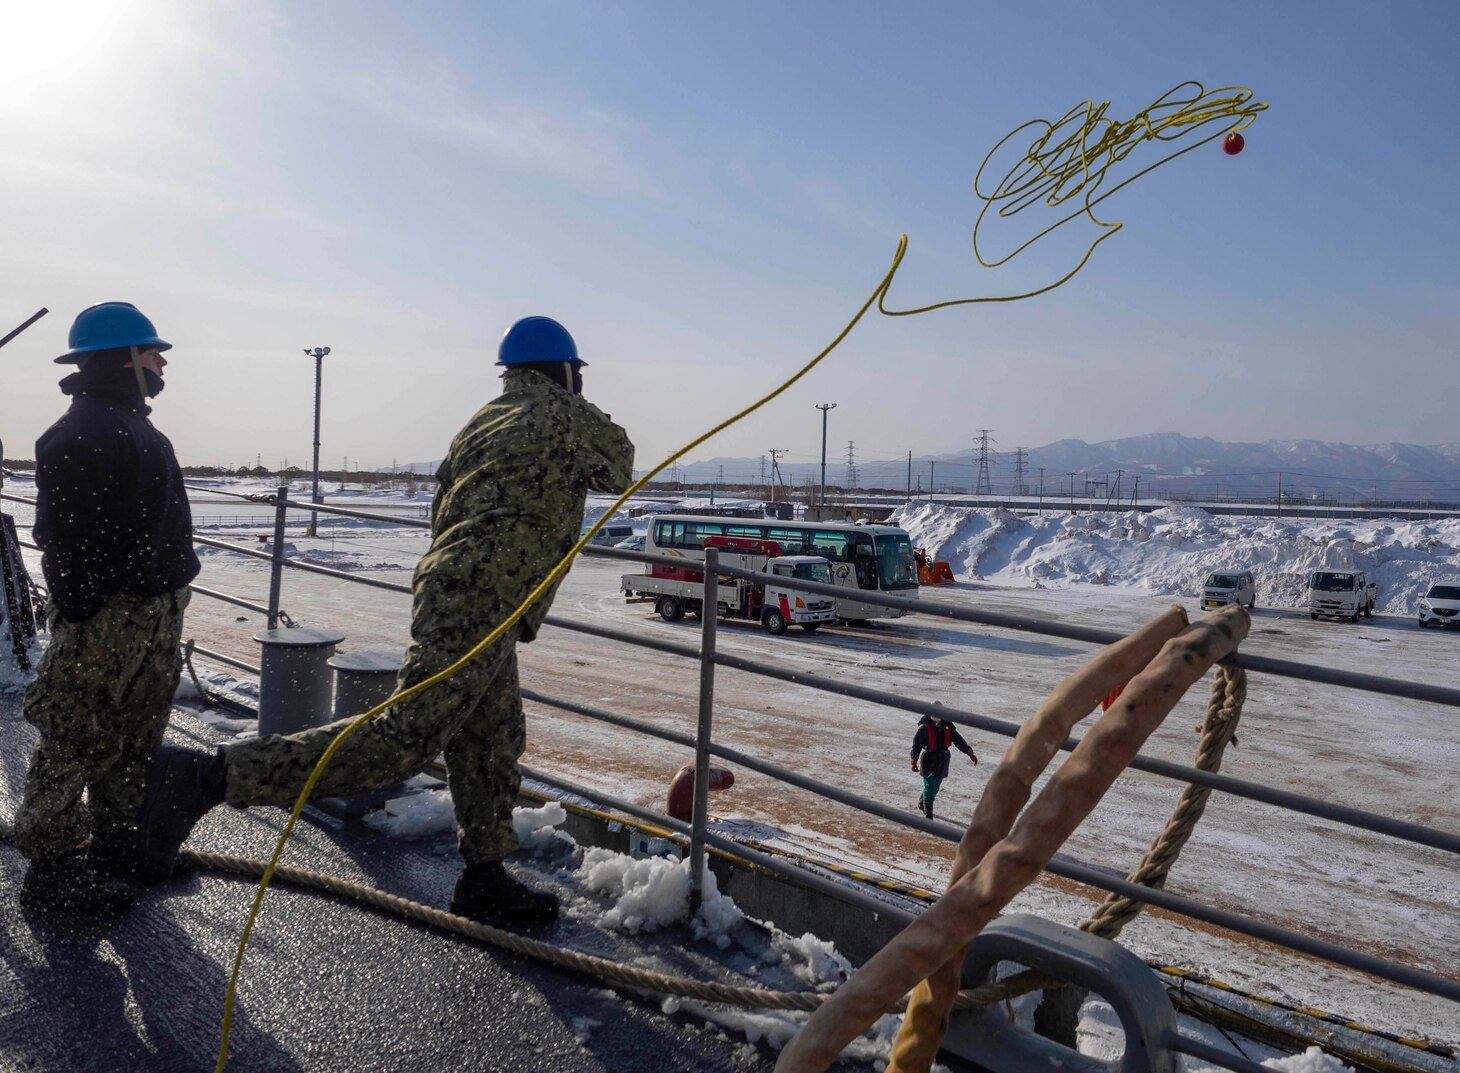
1225, 587
611, 534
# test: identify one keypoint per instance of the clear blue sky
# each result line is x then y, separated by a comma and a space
704, 195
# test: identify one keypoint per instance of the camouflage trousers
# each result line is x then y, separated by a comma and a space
100, 699
474, 717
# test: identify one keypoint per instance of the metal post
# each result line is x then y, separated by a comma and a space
318, 353
276, 570
708, 616
823, 407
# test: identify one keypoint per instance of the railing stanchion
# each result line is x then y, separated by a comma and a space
276, 571
708, 615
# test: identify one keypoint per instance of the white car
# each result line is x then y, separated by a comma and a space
1229, 587
1441, 605
633, 543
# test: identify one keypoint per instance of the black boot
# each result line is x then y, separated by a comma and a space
115, 855
487, 894
69, 885
182, 788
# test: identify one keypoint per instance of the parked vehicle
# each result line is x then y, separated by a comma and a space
775, 607
634, 543
611, 534
1341, 594
1229, 587
1441, 605
872, 558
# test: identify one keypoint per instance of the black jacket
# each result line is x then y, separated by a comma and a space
112, 514
937, 737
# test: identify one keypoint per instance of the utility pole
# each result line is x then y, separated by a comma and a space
1280, 494
982, 487
318, 354
1071, 474
1020, 488
1041, 491
1114, 493
931, 464
823, 407
909, 475
776, 477
1135, 496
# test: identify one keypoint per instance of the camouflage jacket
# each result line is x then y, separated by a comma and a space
513, 487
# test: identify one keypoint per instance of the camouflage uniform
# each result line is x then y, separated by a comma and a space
509, 504
100, 699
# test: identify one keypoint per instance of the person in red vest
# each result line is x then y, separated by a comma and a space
932, 750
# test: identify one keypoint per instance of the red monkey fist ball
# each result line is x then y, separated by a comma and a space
1232, 144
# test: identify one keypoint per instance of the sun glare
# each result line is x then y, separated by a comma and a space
51, 53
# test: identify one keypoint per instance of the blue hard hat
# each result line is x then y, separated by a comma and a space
109, 325
537, 339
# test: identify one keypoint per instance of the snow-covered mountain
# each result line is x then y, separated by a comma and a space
1164, 462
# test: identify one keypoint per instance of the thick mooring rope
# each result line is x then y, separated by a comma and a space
1223, 711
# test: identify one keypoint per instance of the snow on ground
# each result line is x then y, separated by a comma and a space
1112, 570
1170, 551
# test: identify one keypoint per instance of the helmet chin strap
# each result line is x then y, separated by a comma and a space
139, 374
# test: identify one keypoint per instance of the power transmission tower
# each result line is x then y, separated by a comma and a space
1020, 488
983, 487
851, 464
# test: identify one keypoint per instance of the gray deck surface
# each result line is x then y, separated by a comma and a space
327, 986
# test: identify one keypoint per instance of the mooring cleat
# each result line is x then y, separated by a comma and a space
182, 788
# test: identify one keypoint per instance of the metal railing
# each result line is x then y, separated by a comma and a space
709, 658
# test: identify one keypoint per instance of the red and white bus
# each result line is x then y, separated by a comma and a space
872, 558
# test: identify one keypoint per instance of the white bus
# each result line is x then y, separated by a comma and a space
874, 558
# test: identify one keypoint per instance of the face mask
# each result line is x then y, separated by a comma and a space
155, 383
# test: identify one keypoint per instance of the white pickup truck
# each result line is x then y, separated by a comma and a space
1341, 594
763, 600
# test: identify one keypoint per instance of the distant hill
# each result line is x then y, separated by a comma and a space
1164, 462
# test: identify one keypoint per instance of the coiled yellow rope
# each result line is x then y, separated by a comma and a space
1054, 171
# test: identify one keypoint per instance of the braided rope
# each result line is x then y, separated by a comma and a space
1223, 711
1219, 727
601, 968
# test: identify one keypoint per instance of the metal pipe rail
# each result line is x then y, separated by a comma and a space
769, 862
271, 499
1253, 791
1257, 664
705, 747
1062, 865
219, 657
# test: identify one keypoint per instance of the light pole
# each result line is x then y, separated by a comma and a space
317, 354
823, 407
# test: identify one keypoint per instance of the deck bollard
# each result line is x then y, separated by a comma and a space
294, 678
363, 679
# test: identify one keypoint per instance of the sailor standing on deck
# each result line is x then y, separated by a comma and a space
509, 504
115, 534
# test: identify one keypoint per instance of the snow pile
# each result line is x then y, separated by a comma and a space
430, 813
422, 815
649, 893
1172, 550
